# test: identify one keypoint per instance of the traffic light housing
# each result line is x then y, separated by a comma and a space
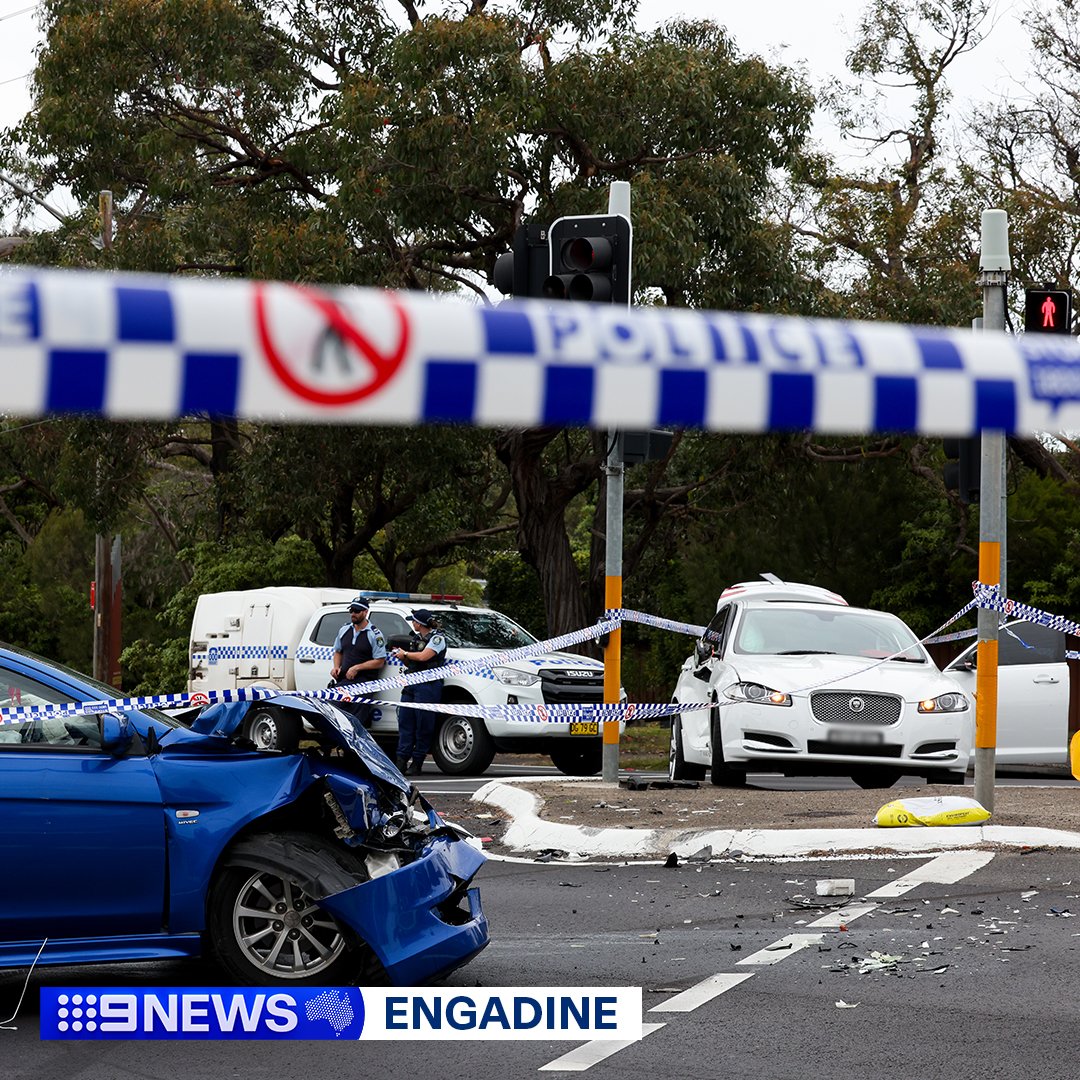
963, 467
634, 447
522, 271
1047, 311
590, 259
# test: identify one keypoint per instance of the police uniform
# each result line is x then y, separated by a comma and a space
416, 726
357, 646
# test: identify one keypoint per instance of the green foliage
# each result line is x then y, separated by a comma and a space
513, 587
45, 605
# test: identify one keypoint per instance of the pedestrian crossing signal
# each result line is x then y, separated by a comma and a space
1048, 311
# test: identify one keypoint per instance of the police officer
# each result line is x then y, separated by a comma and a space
426, 650
359, 656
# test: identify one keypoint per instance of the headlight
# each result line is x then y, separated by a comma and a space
757, 694
944, 703
392, 826
513, 677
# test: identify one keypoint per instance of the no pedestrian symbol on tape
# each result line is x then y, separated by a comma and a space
326, 351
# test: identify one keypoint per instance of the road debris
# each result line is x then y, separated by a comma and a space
836, 887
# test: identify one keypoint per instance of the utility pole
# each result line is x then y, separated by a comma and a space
618, 203
107, 579
994, 267
108, 606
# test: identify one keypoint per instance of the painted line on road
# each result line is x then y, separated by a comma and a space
835, 919
702, 992
592, 1053
945, 869
780, 950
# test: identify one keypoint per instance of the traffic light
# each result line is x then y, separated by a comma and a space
1047, 311
590, 259
963, 465
634, 447
523, 271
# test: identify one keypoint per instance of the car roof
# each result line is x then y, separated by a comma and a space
775, 590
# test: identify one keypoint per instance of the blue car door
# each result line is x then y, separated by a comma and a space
82, 835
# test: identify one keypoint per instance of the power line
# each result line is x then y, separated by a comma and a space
21, 11
4, 82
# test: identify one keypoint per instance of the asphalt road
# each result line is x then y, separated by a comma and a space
985, 987
434, 783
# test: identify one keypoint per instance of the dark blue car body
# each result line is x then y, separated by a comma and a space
120, 833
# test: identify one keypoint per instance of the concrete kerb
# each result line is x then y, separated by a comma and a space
529, 832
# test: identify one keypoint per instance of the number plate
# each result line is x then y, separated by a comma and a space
855, 735
584, 727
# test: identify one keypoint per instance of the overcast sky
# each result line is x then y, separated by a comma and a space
811, 34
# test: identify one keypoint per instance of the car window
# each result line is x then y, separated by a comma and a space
75, 732
778, 631
326, 630
715, 634
1027, 643
481, 630
390, 623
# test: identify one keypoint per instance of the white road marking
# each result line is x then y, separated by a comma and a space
945, 869
701, 992
779, 950
591, 1053
844, 915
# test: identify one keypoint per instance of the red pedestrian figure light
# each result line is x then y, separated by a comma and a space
1047, 311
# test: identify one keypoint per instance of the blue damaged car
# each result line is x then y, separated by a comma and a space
130, 836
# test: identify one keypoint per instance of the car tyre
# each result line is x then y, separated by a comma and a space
720, 773
462, 745
876, 776
678, 767
273, 729
578, 760
264, 924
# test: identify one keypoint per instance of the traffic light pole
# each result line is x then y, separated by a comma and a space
613, 548
994, 267
618, 203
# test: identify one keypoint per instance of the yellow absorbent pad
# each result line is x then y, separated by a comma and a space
939, 810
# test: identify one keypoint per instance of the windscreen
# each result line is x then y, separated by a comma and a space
481, 630
780, 631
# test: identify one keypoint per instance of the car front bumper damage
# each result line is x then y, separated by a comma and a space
422, 920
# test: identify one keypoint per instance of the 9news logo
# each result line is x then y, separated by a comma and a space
201, 1013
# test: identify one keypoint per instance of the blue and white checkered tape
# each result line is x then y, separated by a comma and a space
217, 654
126, 346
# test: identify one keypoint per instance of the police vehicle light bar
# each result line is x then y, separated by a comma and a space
410, 596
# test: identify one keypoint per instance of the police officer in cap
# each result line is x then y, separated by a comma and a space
426, 650
359, 656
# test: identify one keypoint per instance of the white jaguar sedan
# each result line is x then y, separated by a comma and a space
793, 680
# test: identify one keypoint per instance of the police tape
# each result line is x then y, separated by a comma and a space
989, 597
22, 713
554, 713
524, 712
626, 615
960, 635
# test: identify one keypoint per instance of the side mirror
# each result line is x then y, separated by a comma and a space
397, 641
116, 734
702, 652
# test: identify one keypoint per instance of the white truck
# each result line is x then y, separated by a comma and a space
283, 638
